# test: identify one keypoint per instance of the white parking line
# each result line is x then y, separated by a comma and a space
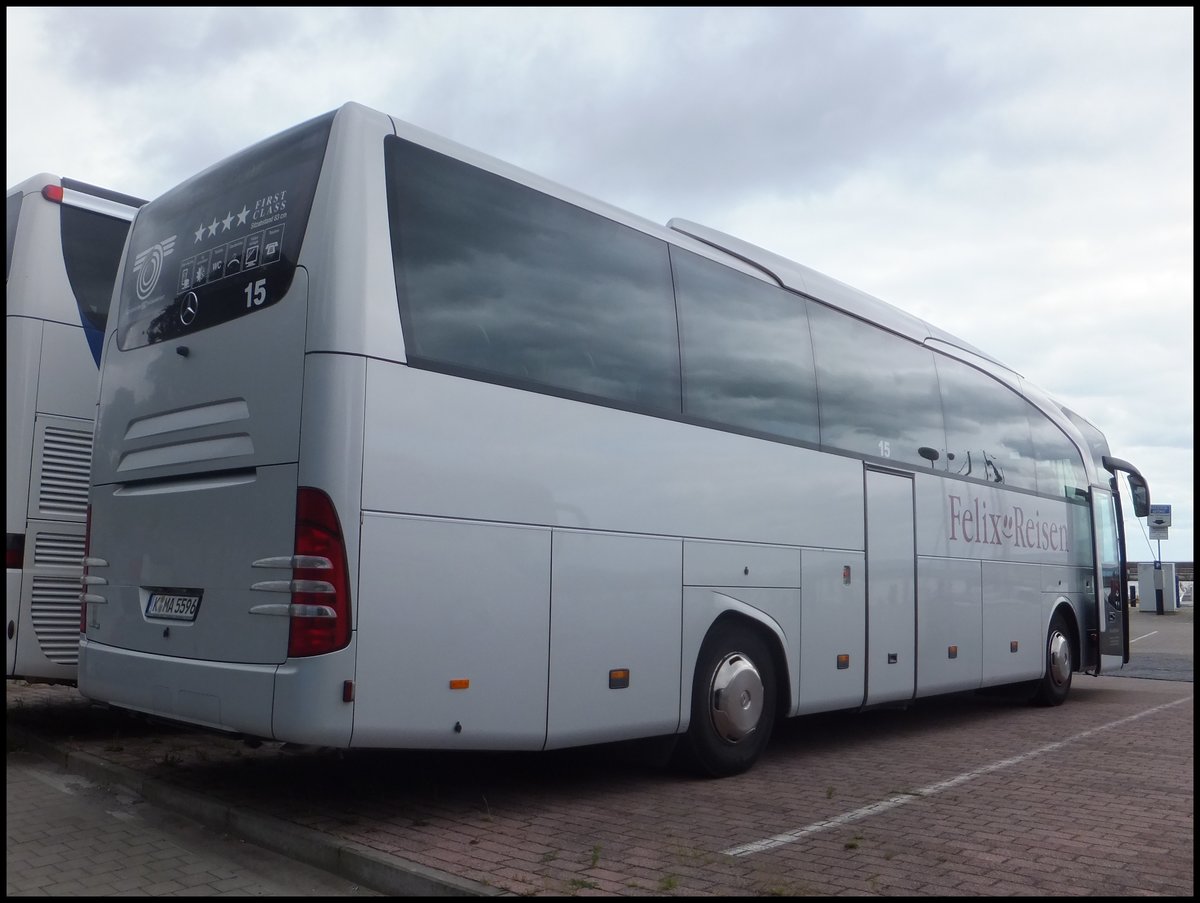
759, 846
1143, 636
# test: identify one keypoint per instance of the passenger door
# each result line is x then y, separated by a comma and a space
1112, 616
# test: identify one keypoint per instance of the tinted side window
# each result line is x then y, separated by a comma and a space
1097, 444
501, 282
92, 245
1059, 465
878, 392
12, 212
987, 427
747, 354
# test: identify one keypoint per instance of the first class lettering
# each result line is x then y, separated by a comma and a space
270, 205
971, 522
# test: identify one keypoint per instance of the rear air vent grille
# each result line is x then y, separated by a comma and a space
55, 610
58, 550
65, 465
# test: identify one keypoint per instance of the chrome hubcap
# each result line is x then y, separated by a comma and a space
1060, 658
736, 698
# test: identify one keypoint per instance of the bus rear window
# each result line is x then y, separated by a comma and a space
92, 244
224, 243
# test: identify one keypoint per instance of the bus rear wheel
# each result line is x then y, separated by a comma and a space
1052, 689
733, 703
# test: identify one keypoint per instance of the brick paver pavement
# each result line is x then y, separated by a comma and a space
962, 796
69, 837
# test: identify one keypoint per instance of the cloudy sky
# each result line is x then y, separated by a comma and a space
1020, 177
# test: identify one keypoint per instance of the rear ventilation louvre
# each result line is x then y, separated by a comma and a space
64, 464
57, 550
55, 610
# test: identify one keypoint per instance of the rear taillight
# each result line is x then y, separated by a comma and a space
14, 550
320, 620
87, 549
53, 193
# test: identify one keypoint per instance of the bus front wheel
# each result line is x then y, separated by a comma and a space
733, 703
1052, 689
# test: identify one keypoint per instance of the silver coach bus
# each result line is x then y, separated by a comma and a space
401, 446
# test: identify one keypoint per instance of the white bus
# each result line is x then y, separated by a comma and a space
401, 446
65, 240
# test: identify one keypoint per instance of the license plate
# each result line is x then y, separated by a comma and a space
175, 606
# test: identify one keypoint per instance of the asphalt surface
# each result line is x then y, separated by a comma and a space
1160, 645
958, 796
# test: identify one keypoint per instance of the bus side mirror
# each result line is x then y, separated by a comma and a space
1141, 495
1137, 484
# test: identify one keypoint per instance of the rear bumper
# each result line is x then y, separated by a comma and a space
299, 701
231, 697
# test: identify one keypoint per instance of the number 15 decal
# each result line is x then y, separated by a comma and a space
256, 293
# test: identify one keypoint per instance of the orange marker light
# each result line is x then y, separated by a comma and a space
618, 678
843, 662
460, 684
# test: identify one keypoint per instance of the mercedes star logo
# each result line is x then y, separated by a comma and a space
188, 308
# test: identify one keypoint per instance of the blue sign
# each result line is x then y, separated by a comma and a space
1160, 516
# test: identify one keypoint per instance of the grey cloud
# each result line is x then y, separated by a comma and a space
122, 46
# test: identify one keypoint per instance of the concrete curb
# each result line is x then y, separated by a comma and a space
385, 873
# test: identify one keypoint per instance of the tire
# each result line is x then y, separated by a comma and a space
733, 703
1054, 686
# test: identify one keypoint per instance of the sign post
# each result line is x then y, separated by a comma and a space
1160, 522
